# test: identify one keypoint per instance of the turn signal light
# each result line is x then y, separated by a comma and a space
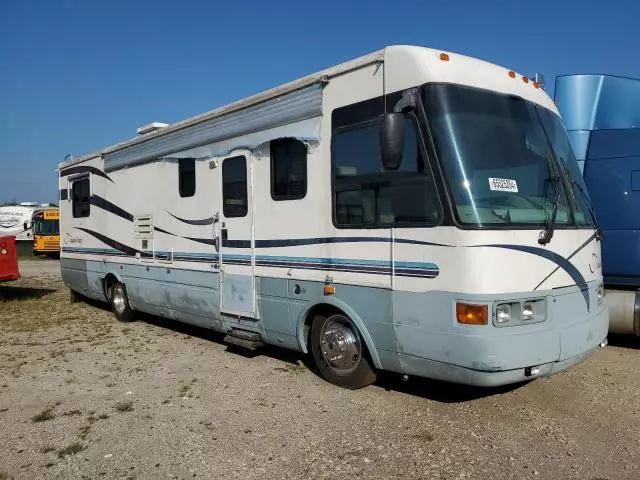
329, 289
469, 314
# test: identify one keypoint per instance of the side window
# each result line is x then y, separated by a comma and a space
187, 177
288, 169
234, 187
367, 196
81, 198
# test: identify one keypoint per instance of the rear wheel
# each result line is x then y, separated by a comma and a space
339, 352
120, 302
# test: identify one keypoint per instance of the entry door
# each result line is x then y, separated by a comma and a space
235, 241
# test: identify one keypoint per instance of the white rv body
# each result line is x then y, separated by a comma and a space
266, 271
13, 218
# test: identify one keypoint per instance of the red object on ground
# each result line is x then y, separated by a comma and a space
8, 259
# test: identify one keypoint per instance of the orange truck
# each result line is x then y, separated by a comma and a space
8, 259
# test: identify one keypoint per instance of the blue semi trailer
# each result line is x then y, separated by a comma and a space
602, 116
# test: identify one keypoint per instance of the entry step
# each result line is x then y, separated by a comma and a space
244, 338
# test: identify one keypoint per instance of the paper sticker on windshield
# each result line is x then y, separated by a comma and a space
503, 185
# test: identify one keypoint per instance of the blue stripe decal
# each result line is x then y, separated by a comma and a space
204, 221
587, 242
376, 267
84, 169
295, 242
267, 243
559, 260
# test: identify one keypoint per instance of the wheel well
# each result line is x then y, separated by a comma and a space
327, 310
107, 282
320, 309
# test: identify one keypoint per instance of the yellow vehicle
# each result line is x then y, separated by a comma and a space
46, 232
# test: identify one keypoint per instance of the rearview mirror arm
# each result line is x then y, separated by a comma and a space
409, 100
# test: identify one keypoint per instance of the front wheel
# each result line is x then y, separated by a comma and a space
120, 303
339, 352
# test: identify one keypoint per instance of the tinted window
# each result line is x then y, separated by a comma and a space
288, 169
234, 187
365, 195
187, 177
81, 198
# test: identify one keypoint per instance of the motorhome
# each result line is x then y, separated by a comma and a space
404, 211
13, 218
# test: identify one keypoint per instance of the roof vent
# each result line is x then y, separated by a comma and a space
151, 127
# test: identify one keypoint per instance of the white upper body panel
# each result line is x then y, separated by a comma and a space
405, 66
409, 66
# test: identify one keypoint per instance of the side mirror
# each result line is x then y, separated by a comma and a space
392, 140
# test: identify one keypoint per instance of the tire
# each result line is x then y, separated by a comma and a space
340, 353
120, 302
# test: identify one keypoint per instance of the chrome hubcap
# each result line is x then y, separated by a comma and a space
340, 346
118, 298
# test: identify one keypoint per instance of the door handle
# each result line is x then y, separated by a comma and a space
216, 243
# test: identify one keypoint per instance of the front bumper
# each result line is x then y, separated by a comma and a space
478, 378
509, 357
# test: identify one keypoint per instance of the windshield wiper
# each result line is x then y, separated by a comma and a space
592, 210
547, 234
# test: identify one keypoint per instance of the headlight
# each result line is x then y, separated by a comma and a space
600, 293
528, 311
520, 312
503, 313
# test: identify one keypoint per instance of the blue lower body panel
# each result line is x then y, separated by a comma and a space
411, 333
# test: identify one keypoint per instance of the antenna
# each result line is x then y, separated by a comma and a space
538, 78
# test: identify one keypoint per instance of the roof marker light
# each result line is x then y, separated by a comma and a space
536, 84
444, 57
525, 79
512, 74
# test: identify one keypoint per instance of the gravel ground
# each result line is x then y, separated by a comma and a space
82, 396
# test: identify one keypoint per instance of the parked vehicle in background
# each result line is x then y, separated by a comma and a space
8, 259
602, 116
46, 232
16, 220
407, 211
13, 218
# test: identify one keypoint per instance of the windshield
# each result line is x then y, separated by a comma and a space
564, 154
499, 162
46, 227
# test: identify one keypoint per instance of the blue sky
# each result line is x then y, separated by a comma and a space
78, 76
